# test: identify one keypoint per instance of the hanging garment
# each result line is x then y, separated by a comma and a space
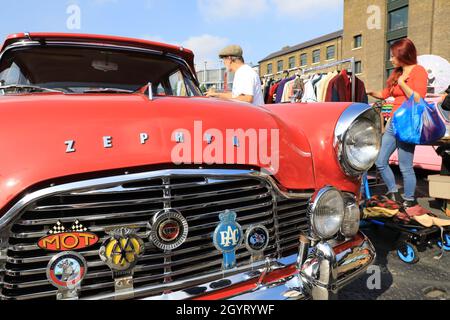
272, 93
280, 89
340, 89
323, 85
288, 91
309, 95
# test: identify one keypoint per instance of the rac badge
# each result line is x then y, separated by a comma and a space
65, 271
168, 230
60, 239
227, 237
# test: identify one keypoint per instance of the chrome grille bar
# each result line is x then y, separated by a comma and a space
200, 195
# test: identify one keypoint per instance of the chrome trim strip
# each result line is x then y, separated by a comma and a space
115, 180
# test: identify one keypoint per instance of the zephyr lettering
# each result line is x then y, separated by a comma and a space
144, 138
70, 146
107, 142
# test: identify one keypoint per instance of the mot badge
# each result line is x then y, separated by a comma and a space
121, 252
65, 271
256, 241
227, 237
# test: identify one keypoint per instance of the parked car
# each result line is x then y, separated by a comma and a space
93, 205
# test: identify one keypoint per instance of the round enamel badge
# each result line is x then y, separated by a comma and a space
168, 230
66, 270
257, 239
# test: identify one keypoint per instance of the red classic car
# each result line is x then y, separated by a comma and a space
118, 180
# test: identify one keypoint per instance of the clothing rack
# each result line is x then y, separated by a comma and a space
336, 63
325, 66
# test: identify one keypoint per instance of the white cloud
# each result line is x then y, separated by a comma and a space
305, 7
206, 47
229, 9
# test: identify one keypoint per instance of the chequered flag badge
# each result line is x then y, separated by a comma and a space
59, 228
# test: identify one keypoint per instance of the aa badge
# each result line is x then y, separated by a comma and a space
121, 252
227, 238
65, 271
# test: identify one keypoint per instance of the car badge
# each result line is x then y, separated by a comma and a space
169, 230
256, 241
227, 237
66, 271
121, 252
60, 239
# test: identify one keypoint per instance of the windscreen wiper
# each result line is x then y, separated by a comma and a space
107, 90
25, 87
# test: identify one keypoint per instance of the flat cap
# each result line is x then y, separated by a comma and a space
231, 51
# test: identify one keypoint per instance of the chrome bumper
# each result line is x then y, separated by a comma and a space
328, 267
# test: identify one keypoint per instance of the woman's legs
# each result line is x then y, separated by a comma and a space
406, 160
388, 146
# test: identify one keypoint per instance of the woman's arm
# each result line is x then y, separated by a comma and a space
376, 94
417, 83
408, 90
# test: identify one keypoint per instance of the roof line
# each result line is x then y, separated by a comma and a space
304, 45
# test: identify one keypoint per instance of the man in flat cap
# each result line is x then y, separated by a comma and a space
246, 84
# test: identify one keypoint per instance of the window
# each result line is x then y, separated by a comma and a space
358, 67
398, 19
316, 56
303, 59
95, 69
331, 51
269, 69
178, 86
357, 41
291, 62
280, 65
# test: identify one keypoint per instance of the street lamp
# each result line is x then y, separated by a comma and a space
204, 73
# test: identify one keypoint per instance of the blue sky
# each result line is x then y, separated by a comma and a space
205, 26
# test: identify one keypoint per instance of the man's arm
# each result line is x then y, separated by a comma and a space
229, 96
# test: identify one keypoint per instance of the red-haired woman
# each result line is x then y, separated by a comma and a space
408, 79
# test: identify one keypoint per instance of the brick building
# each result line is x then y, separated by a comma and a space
370, 26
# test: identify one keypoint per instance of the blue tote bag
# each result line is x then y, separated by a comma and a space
418, 123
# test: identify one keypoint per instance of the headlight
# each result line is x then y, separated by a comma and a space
327, 213
361, 145
352, 216
357, 138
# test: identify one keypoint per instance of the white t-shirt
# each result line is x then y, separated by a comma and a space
246, 81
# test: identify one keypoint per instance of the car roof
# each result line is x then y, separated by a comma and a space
183, 53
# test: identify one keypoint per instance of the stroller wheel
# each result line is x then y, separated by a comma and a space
407, 252
446, 245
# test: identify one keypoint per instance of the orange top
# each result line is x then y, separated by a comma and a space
417, 81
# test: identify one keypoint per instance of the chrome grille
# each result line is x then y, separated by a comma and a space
199, 198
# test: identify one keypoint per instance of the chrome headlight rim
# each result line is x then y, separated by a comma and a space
350, 116
345, 157
349, 201
313, 213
